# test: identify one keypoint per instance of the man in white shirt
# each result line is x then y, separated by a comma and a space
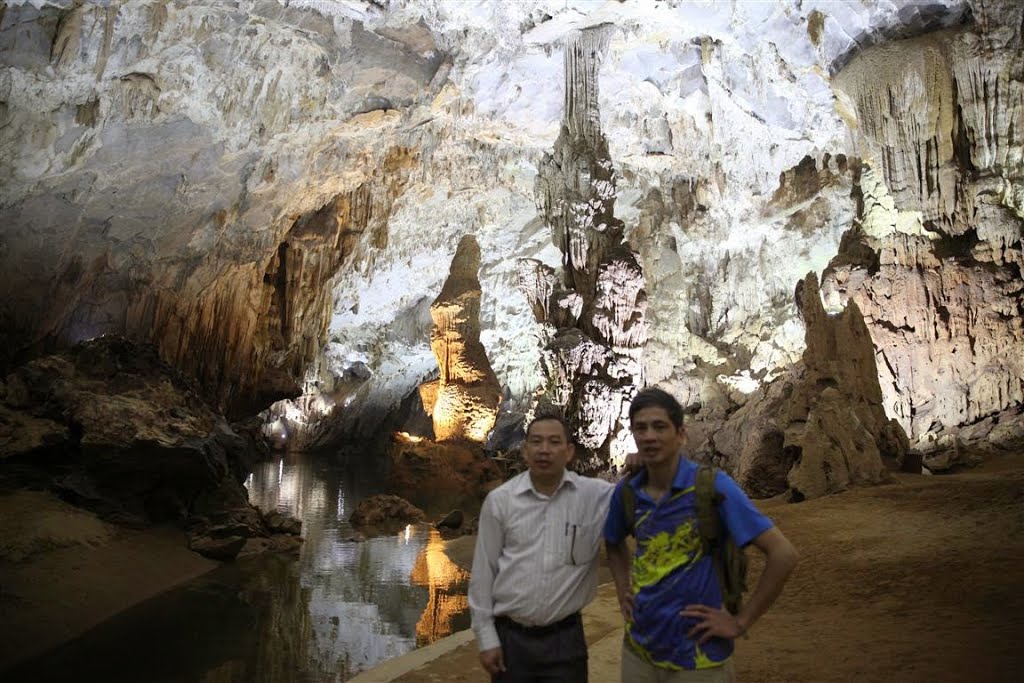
535, 564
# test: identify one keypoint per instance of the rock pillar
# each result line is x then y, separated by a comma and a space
464, 400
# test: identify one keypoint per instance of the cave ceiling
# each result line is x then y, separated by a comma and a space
272, 192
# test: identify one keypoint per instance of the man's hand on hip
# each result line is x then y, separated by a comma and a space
492, 661
713, 622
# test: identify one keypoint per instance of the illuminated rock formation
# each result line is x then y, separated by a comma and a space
595, 308
270, 191
464, 400
936, 263
170, 179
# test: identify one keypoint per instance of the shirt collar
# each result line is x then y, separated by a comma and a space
525, 484
679, 482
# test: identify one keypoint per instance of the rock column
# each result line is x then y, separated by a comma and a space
594, 310
464, 400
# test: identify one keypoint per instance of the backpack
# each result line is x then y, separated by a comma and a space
729, 559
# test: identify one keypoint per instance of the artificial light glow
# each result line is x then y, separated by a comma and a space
407, 437
408, 532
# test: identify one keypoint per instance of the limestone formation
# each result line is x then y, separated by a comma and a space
186, 191
820, 428
129, 438
269, 192
464, 400
595, 308
935, 263
385, 511
433, 475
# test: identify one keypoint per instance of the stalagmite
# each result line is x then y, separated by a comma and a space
464, 400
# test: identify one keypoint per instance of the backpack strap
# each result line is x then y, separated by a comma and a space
708, 521
629, 505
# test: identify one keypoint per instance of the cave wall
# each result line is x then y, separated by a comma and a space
194, 174
936, 261
272, 192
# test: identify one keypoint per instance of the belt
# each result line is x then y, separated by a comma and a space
569, 621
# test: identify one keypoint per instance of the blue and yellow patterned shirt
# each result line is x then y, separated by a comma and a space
670, 570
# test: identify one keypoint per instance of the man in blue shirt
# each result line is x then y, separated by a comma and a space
676, 626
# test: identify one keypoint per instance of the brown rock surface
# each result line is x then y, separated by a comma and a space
385, 511
822, 427
441, 476
935, 263
130, 439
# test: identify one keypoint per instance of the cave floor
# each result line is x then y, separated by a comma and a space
920, 580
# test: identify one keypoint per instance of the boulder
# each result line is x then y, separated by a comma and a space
385, 510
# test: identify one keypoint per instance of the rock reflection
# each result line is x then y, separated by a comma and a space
349, 605
446, 584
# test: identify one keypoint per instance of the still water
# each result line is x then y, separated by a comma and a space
339, 608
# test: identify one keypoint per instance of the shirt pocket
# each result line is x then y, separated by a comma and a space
582, 542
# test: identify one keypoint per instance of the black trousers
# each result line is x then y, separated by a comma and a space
556, 653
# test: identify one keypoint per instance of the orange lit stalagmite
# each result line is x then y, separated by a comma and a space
463, 401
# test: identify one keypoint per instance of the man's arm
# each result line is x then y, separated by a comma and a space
489, 541
619, 560
780, 559
618, 564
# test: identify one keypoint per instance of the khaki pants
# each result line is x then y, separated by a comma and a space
636, 670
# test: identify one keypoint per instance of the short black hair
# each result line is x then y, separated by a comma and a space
556, 417
653, 397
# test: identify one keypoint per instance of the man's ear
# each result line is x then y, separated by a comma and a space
572, 451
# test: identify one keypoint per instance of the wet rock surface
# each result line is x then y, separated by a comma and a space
436, 475
122, 434
383, 514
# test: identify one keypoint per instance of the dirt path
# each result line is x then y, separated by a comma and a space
922, 580
919, 581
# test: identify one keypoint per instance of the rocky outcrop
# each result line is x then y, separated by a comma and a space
438, 475
158, 161
384, 511
123, 435
464, 399
935, 263
594, 308
820, 428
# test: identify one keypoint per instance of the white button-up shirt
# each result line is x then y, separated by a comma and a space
536, 556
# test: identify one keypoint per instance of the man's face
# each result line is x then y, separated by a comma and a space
547, 449
657, 439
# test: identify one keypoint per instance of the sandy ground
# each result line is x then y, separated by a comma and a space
918, 581
63, 571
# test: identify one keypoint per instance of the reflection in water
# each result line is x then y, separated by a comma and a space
447, 604
365, 601
341, 607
